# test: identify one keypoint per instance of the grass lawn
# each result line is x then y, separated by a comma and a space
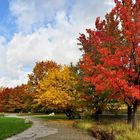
11, 126
61, 118
55, 117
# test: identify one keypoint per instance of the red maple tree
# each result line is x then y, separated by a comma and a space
111, 58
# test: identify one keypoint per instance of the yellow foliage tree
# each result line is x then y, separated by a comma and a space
57, 90
53, 99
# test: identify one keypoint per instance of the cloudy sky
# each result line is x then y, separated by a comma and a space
35, 30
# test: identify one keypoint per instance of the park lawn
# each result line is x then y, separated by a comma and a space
61, 118
11, 126
55, 117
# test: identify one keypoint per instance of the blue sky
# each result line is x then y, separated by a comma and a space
35, 30
7, 24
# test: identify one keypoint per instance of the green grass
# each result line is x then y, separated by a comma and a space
11, 126
55, 117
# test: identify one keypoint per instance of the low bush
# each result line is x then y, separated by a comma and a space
85, 125
101, 134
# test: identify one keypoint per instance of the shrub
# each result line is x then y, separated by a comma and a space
101, 134
85, 125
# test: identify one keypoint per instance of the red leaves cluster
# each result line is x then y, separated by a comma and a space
111, 59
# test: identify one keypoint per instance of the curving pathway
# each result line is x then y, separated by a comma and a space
37, 130
42, 130
66, 132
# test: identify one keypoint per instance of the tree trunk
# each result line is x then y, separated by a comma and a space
134, 117
97, 114
71, 114
129, 114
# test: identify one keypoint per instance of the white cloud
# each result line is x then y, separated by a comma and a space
109, 2
10, 82
10, 75
50, 43
54, 40
2, 52
29, 13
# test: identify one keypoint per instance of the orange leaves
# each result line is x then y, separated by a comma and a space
15, 99
39, 71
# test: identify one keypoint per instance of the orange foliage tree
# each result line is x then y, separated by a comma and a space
15, 99
4, 96
39, 71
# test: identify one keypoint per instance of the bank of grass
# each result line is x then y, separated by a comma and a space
11, 126
61, 118
55, 117
121, 129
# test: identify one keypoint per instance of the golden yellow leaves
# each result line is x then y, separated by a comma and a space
54, 98
57, 89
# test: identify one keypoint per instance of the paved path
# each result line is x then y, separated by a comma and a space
37, 130
66, 132
49, 130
